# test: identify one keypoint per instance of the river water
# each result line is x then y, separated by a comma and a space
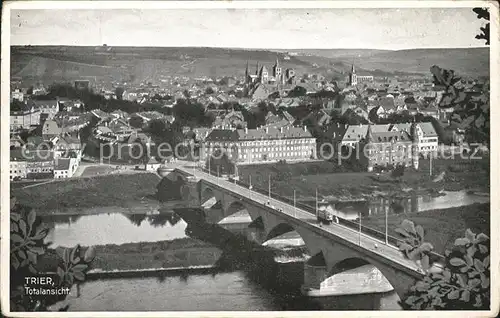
236, 290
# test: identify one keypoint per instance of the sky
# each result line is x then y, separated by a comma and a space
389, 29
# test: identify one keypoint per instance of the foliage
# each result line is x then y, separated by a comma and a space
464, 282
297, 91
483, 13
27, 246
471, 109
398, 171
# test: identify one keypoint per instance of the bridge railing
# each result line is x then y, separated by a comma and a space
391, 240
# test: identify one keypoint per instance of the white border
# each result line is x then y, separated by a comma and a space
4, 144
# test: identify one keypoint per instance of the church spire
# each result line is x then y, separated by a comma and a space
369, 134
257, 69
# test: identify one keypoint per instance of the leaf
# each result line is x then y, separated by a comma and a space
37, 250
89, 254
76, 260
15, 216
408, 226
479, 265
478, 302
60, 273
481, 237
457, 262
471, 250
473, 283
454, 294
420, 231
16, 238
470, 235
426, 247
69, 278
72, 253
462, 280
22, 254
22, 226
469, 260
465, 296
447, 274
80, 267
14, 227
461, 241
402, 232
14, 261
31, 218
32, 269
486, 262
79, 276
483, 249
31, 256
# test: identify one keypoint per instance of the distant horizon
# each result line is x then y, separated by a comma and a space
255, 49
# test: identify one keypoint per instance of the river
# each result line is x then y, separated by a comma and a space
233, 290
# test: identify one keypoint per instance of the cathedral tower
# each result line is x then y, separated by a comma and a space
277, 71
353, 78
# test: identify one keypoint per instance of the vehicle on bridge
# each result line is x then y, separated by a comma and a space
325, 216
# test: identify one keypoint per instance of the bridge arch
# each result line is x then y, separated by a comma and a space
206, 195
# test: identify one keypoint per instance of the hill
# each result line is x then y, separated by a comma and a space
466, 61
136, 64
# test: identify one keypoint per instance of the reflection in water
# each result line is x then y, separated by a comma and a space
397, 205
113, 228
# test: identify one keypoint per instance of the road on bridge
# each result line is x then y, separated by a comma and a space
374, 245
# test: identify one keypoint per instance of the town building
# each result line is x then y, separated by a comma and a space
48, 107
354, 79
152, 164
427, 137
24, 118
390, 148
64, 167
264, 144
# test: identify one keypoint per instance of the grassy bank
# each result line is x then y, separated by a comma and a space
109, 190
305, 177
146, 255
442, 227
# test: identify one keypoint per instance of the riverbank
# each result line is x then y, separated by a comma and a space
335, 184
441, 227
177, 253
86, 193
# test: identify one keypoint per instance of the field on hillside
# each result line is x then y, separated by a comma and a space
57, 63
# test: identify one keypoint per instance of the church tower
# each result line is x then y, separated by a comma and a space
353, 78
277, 71
247, 75
414, 145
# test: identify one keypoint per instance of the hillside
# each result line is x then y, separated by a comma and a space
136, 64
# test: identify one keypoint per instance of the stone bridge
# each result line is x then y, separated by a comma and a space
335, 243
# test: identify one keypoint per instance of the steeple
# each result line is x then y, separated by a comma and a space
246, 71
277, 64
257, 69
369, 134
353, 70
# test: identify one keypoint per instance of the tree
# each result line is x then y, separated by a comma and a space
119, 92
470, 110
464, 282
483, 13
27, 247
136, 122
209, 90
297, 91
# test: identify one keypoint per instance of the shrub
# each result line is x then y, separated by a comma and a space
464, 282
27, 235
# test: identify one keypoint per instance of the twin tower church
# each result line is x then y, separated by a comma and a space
280, 78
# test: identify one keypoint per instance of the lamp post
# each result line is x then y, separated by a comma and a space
360, 228
269, 186
316, 202
386, 228
294, 205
